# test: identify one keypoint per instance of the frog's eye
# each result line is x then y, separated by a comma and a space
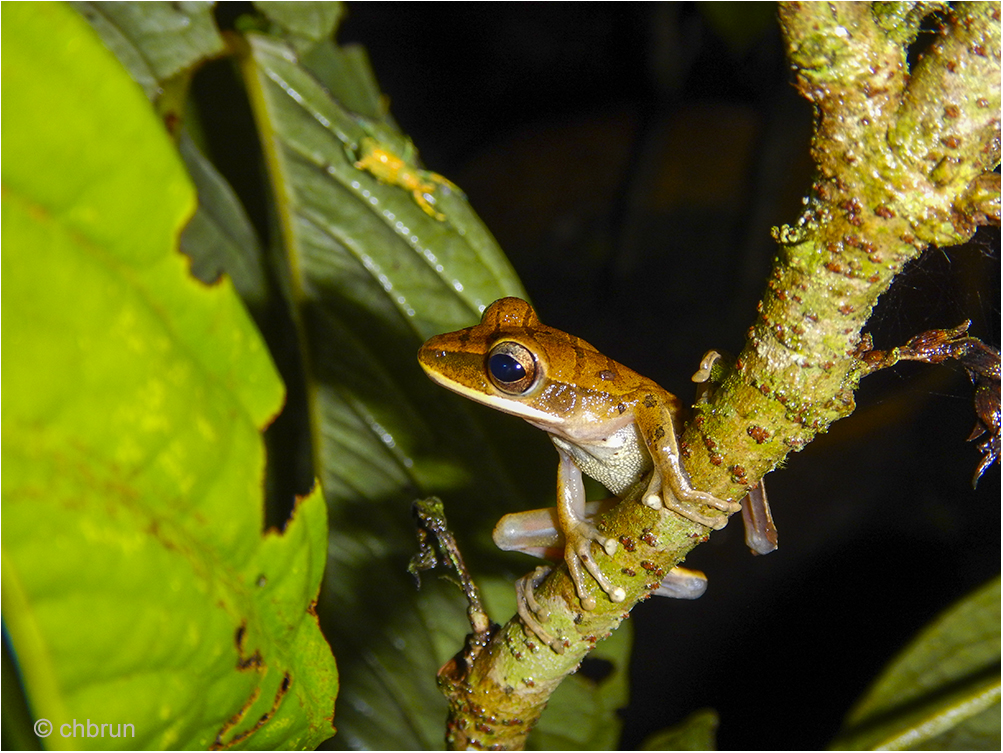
512, 368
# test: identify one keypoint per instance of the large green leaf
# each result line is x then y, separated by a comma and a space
138, 588
385, 434
161, 44
371, 275
943, 691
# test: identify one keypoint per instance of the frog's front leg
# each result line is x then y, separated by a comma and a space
670, 486
579, 533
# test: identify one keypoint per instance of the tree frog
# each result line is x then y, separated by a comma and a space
604, 419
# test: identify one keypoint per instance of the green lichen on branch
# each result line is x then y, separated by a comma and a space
904, 160
496, 698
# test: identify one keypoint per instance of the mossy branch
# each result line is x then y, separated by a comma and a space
903, 162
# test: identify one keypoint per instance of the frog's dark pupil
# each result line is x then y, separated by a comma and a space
505, 368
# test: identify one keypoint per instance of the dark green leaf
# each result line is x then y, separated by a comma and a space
220, 236
372, 275
943, 691
346, 73
155, 41
303, 24
697, 732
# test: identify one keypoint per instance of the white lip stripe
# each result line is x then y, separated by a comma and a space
498, 403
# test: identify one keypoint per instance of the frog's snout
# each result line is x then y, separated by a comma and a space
430, 352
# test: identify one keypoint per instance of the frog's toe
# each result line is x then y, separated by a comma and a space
444, 181
689, 511
653, 501
688, 508
652, 496
578, 555
531, 612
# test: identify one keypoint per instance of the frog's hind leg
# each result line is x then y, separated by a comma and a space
531, 612
682, 583
542, 534
538, 532
760, 532
423, 197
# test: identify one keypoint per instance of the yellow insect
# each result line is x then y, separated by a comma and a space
388, 168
